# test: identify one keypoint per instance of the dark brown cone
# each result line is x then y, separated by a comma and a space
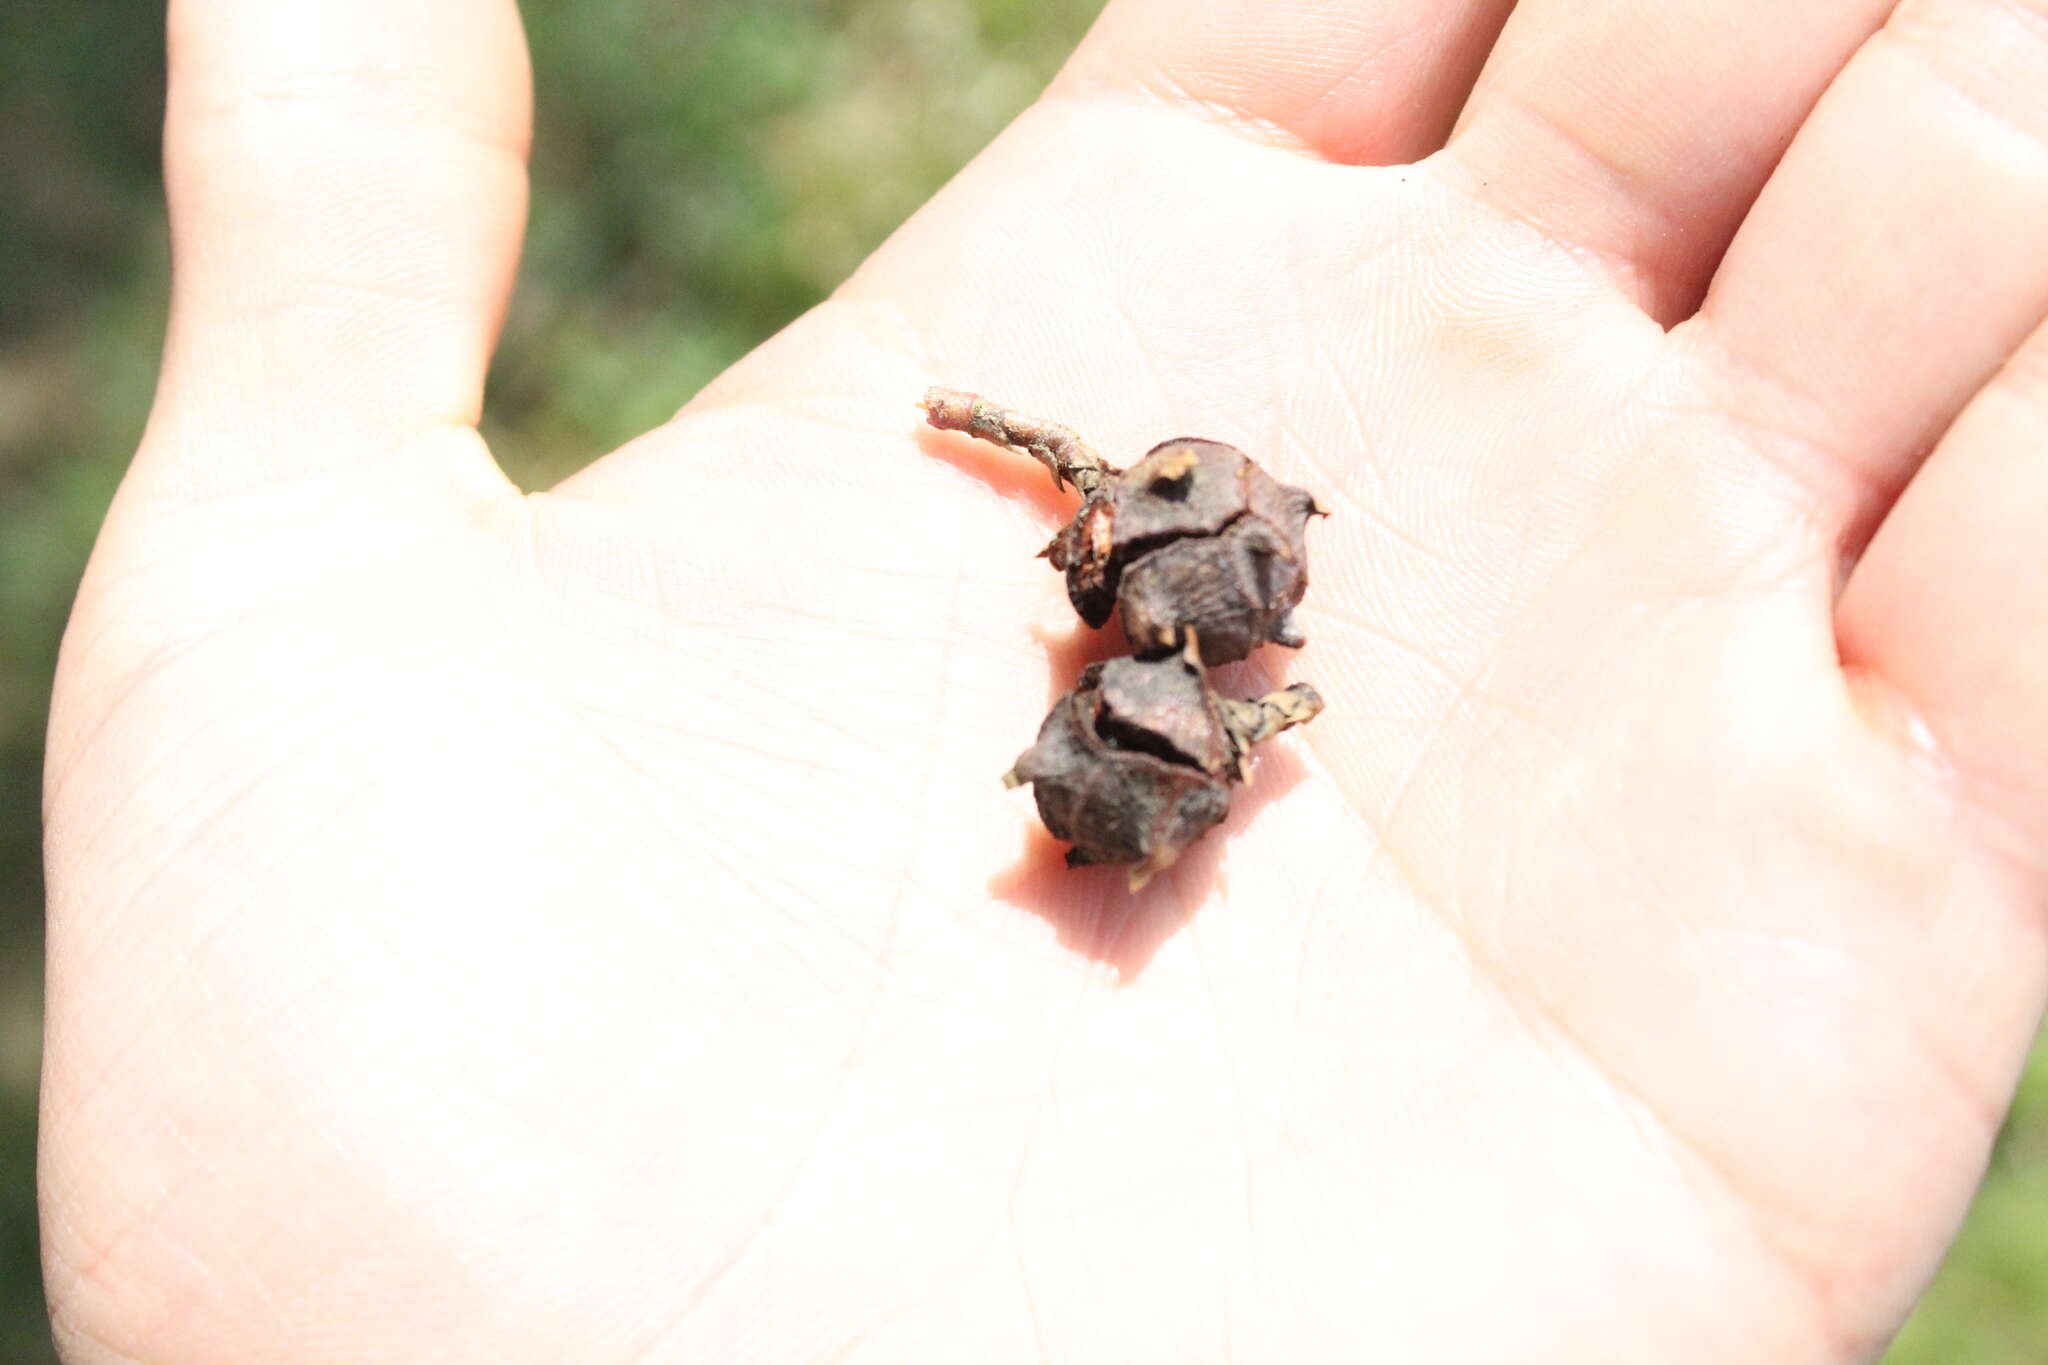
1135, 764
1193, 535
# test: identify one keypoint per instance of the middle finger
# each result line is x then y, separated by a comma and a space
1641, 132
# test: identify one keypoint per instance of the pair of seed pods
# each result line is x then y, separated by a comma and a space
1201, 555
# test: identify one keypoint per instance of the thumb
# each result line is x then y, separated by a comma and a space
347, 191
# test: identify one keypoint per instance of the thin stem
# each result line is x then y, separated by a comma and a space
1253, 722
1070, 459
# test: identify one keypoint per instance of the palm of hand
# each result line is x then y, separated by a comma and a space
596, 915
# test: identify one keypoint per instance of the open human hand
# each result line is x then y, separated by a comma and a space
586, 926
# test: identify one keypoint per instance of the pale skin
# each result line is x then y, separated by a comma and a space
588, 925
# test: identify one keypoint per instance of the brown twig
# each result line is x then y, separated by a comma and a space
1070, 459
1256, 721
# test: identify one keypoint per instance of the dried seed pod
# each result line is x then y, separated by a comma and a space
1136, 763
1193, 539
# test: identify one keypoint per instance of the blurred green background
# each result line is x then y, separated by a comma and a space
702, 173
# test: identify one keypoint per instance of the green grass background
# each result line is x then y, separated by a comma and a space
702, 173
